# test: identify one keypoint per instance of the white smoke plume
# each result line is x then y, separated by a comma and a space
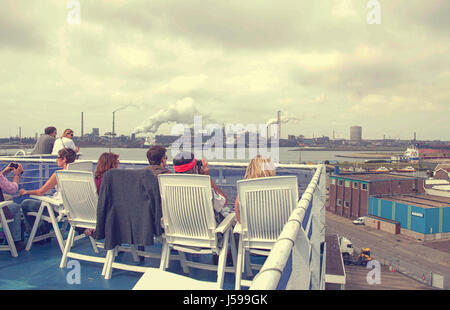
125, 106
283, 119
183, 112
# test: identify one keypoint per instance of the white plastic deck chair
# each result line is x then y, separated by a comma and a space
4, 224
79, 196
53, 205
265, 205
56, 214
110, 263
190, 225
86, 165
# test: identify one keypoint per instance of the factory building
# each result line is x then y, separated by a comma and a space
421, 216
349, 193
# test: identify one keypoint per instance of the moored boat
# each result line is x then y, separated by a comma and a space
421, 151
380, 169
406, 169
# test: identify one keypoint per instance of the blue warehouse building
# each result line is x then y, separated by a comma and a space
425, 217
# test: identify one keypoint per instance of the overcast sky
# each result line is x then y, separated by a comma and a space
235, 61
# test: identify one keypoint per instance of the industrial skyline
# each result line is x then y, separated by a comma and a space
234, 62
355, 132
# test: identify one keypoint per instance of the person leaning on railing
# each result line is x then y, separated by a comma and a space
65, 142
12, 211
65, 157
259, 167
45, 142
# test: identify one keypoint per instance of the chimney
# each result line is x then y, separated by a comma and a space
113, 133
82, 125
279, 124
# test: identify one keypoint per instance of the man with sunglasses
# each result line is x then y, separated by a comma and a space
65, 142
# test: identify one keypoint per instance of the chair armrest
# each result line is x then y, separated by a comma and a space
226, 223
238, 228
47, 199
6, 203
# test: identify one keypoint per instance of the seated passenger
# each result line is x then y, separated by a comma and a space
65, 142
13, 210
186, 163
44, 144
65, 157
259, 167
105, 162
157, 158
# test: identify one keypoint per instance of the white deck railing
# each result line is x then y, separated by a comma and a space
297, 260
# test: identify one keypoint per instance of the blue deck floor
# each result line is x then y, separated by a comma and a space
38, 269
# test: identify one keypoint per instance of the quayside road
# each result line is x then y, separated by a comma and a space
412, 257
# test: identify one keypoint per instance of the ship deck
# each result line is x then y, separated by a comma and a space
38, 269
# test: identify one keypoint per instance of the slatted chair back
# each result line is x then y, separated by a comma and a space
265, 205
79, 195
187, 209
87, 166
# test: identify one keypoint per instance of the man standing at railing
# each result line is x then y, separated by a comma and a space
44, 144
12, 211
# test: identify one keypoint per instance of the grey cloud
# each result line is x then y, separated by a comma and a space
16, 31
225, 24
432, 16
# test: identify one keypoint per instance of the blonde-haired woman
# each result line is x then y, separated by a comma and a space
259, 167
65, 142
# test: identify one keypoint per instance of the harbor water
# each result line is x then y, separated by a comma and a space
285, 155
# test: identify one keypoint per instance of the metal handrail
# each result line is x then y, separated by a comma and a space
270, 274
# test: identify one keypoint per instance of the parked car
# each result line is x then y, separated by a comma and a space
359, 221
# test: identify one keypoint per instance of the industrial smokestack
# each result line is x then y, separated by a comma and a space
113, 124
279, 124
82, 125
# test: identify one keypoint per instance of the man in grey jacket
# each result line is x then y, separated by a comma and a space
44, 144
157, 158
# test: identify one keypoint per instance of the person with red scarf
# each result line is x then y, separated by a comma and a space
186, 162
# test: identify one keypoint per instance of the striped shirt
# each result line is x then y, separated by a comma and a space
7, 186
